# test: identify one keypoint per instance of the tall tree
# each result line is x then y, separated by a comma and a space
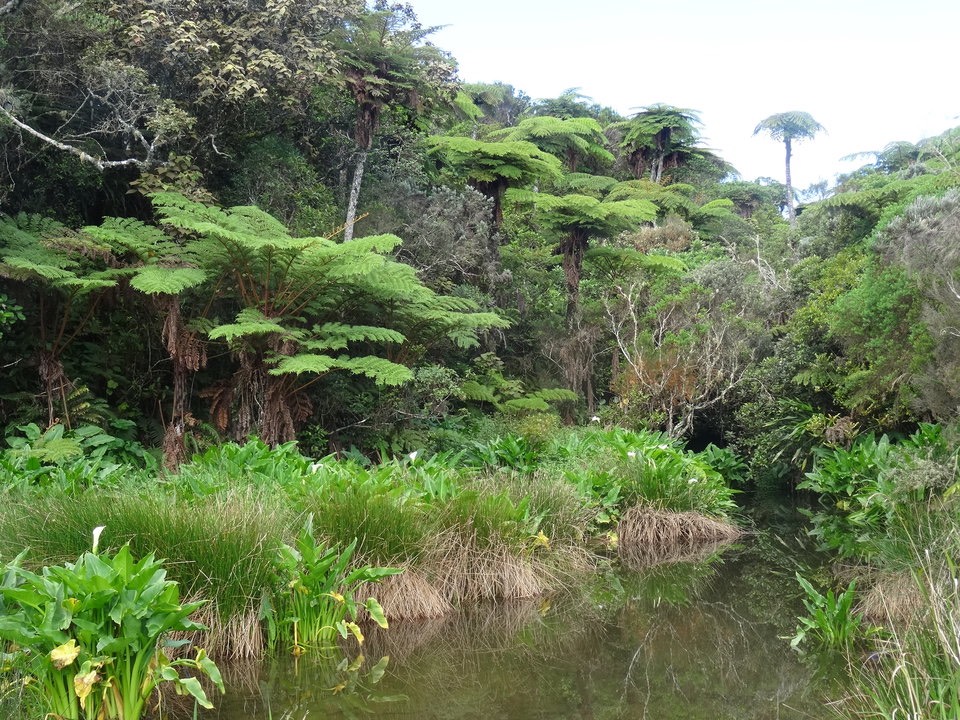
492, 167
305, 307
787, 127
658, 137
387, 63
577, 219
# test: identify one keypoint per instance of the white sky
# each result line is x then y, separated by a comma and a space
870, 71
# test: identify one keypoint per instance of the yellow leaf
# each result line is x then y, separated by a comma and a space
83, 684
336, 596
65, 654
356, 664
355, 629
337, 688
612, 540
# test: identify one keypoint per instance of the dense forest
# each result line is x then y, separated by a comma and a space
293, 221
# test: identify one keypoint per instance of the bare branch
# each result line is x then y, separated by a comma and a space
98, 163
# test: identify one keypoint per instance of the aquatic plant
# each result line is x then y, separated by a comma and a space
831, 621
89, 633
317, 599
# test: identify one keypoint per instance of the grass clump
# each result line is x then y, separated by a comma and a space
915, 669
220, 547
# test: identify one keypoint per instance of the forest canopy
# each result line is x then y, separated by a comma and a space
295, 220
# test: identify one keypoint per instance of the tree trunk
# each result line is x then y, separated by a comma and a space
188, 354
791, 213
573, 248
354, 196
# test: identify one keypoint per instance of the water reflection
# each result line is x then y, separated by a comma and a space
693, 639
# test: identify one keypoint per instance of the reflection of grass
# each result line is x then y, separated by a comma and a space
675, 583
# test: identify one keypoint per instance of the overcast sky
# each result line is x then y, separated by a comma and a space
870, 71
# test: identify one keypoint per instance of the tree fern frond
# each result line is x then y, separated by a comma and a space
556, 395
337, 336
529, 403
248, 322
156, 280
303, 363
130, 235
380, 370
473, 390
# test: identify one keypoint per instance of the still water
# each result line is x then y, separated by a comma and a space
701, 638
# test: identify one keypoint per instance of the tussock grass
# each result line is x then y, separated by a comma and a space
390, 525
219, 548
890, 596
647, 535
407, 596
465, 570
915, 671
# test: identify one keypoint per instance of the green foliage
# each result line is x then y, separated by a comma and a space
71, 460
615, 469
10, 313
865, 489
572, 139
90, 632
830, 622
513, 452
581, 212
317, 598
726, 462
514, 163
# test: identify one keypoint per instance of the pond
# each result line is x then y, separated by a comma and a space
697, 638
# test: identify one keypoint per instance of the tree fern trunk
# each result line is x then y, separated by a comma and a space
354, 196
187, 355
791, 213
573, 249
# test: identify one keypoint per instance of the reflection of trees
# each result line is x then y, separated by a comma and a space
707, 660
683, 640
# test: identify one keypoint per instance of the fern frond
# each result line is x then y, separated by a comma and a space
303, 363
380, 370
556, 395
248, 322
337, 336
157, 280
527, 404
472, 390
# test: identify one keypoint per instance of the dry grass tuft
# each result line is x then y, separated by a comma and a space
465, 571
406, 596
891, 597
236, 637
648, 536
